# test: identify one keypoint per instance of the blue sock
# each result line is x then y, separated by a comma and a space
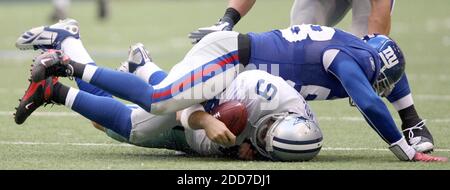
89, 88
105, 111
125, 86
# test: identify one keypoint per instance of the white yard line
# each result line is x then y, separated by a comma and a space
432, 97
128, 145
61, 144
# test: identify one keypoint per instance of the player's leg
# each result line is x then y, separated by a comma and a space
64, 36
360, 17
134, 124
206, 70
146, 127
75, 50
103, 9
414, 128
141, 64
171, 138
105, 111
153, 131
61, 8
322, 12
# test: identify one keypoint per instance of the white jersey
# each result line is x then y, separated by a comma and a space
262, 94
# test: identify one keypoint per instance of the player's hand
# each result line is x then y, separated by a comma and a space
246, 151
218, 132
197, 35
422, 157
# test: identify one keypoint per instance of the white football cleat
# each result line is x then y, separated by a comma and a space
137, 57
48, 37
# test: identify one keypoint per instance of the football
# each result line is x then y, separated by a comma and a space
233, 114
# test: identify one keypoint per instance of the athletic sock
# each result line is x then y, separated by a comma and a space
105, 111
75, 50
409, 117
151, 73
60, 92
121, 84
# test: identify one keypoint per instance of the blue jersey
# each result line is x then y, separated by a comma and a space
297, 52
325, 63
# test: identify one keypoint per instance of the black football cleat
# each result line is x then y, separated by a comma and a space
419, 137
51, 63
37, 94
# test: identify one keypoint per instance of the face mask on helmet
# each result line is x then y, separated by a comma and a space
392, 59
287, 137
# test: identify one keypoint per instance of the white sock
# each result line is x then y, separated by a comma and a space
403, 103
146, 71
75, 50
88, 72
70, 98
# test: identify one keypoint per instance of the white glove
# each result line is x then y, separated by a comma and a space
197, 35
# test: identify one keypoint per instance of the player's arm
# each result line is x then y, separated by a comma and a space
380, 17
195, 118
236, 9
353, 79
412, 125
241, 6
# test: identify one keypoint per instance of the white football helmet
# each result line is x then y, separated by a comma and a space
287, 137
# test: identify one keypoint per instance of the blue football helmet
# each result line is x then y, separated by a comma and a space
393, 62
287, 137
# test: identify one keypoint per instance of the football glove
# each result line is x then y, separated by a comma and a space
197, 35
422, 157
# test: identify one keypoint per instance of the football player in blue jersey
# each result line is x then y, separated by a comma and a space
368, 17
323, 62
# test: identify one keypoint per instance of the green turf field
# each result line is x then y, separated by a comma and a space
55, 138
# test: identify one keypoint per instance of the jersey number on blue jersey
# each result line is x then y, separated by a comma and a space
298, 33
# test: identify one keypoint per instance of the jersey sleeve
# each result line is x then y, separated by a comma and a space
357, 86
